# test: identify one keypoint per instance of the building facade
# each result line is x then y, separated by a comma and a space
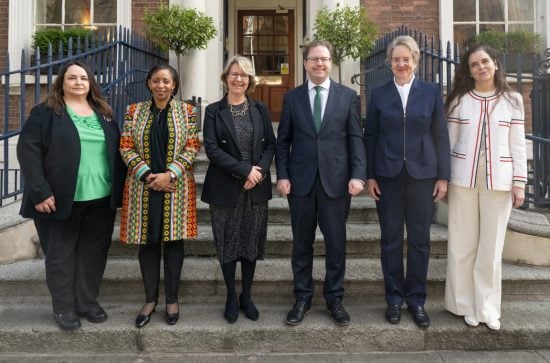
272, 33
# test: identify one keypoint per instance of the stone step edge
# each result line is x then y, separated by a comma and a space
271, 269
201, 328
356, 232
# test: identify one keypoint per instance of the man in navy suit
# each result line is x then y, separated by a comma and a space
321, 163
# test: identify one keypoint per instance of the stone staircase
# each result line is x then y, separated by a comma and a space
27, 327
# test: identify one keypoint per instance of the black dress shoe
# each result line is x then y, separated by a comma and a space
172, 319
68, 321
143, 319
231, 312
338, 313
298, 311
95, 315
420, 316
249, 308
393, 314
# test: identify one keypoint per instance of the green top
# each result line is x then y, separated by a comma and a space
94, 178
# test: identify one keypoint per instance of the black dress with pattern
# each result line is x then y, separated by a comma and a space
241, 232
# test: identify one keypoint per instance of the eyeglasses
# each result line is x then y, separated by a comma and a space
323, 60
236, 75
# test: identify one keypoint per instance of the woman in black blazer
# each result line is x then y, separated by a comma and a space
240, 143
68, 153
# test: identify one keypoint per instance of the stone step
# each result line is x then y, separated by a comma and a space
429, 356
202, 280
362, 210
30, 329
363, 240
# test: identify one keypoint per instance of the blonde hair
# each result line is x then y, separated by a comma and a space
246, 66
406, 41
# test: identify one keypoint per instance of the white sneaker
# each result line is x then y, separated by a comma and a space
493, 325
471, 321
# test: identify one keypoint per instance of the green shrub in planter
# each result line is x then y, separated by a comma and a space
45, 36
511, 42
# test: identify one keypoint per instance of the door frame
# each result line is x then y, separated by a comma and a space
230, 41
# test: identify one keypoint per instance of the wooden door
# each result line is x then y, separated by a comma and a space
267, 38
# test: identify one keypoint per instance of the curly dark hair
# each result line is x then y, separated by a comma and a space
55, 101
463, 81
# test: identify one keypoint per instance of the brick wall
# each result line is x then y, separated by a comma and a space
420, 15
4, 9
138, 8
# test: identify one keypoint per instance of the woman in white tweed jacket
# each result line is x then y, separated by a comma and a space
488, 176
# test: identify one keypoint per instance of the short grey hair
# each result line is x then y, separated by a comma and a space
246, 66
406, 41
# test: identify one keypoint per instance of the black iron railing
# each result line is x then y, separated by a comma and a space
119, 62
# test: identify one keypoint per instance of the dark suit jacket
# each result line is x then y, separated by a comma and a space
227, 172
336, 152
49, 154
417, 138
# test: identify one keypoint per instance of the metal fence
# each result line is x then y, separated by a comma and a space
119, 61
437, 66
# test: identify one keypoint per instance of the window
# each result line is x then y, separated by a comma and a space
93, 14
471, 17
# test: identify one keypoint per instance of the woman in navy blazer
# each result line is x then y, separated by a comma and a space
240, 143
407, 171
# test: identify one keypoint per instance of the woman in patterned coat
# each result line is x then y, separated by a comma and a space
159, 144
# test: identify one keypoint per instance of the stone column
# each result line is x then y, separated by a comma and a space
200, 68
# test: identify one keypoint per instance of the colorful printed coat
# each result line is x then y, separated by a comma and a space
179, 208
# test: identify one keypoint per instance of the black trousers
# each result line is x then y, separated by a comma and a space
149, 263
76, 254
405, 201
331, 214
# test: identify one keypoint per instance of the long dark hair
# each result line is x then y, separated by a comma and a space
54, 99
464, 83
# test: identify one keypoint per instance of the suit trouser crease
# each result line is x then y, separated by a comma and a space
331, 214
76, 254
477, 228
149, 256
405, 202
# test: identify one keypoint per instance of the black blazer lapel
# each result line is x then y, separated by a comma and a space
225, 117
332, 103
305, 104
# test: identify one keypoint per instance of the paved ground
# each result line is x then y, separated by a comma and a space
405, 357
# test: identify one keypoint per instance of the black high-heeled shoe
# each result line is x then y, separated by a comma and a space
172, 319
142, 319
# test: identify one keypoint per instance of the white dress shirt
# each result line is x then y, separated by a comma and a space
404, 91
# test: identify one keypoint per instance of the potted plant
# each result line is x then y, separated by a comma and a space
57, 37
178, 29
349, 30
516, 48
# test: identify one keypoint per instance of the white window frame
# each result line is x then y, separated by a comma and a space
21, 26
542, 14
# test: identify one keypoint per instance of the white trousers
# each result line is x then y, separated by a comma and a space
478, 219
